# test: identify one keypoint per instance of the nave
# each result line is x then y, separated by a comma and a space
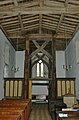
39, 112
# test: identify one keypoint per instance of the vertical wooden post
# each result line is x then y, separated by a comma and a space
27, 43
52, 83
54, 92
26, 70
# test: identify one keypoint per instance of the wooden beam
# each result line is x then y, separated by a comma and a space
9, 2
50, 20
27, 28
41, 49
42, 84
53, 9
46, 53
5, 2
41, 78
34, 53
48, 28
40, 16
40, 23
66, 3
61, 18
44, 44
27, 43
36, 43
21, 23
26, 71
41, 2
15, 2
40, 36
53, 73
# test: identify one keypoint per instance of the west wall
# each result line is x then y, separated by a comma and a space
73, 56
3, 41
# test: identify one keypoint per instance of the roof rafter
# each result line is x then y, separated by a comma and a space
61, 18
66, 3
40, 23
15, 2
21, 23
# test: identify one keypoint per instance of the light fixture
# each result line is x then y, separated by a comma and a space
67, 66
15, 69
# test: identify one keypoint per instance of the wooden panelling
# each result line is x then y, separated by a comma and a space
30, 89
13, 87
64, 85
59, 88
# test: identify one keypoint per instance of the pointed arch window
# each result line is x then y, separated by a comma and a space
40, 68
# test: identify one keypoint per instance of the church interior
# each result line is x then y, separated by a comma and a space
39, 59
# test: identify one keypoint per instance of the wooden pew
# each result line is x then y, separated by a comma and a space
23, 105
9, 117
12, 111
68, 115
19, 101
17, 104
71, 118
26, 102
14, 107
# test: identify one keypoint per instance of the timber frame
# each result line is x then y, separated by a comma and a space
52, 62
39, 26
42, 19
